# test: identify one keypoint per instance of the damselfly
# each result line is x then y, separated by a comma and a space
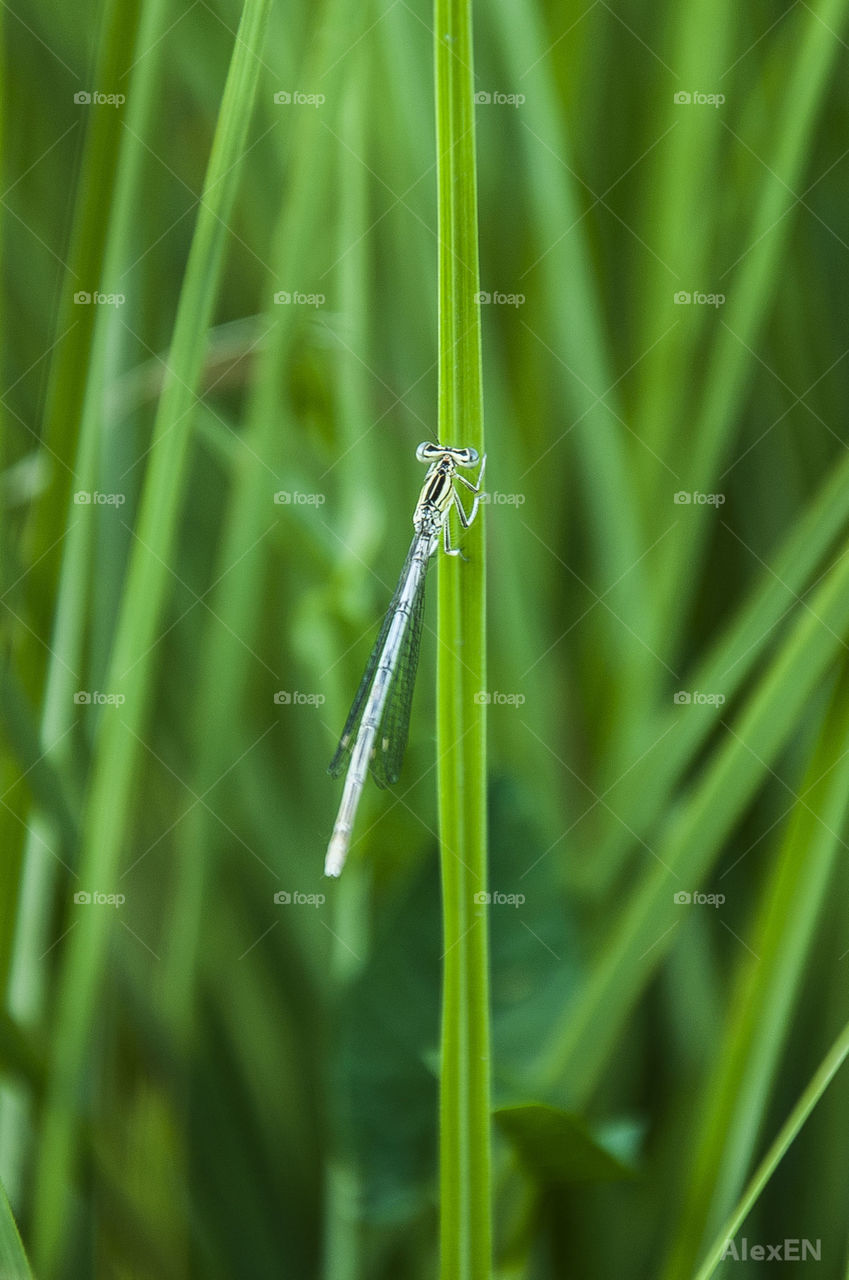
375, 733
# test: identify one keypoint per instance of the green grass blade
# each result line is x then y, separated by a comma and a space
825, 1073
732, 362
767, 990
647, 789
13, 1260
579, 351
75, 324
256, 472
678, 170
465, 1221
266, 1084
48, 840
132, 661
695, 836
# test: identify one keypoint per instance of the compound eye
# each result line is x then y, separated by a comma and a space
426, 451
468, 457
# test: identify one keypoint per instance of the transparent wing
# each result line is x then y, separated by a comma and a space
355, 715
391, 741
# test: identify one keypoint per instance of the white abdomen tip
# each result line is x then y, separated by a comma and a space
337, 851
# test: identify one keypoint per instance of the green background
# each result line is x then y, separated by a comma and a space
204, 1081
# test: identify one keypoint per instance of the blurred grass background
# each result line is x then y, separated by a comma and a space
205, 1081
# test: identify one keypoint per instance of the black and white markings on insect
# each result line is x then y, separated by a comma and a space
375, 733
